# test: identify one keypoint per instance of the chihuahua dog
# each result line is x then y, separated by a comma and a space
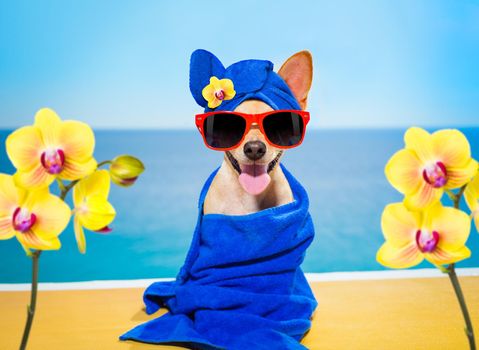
241, 286
254, 158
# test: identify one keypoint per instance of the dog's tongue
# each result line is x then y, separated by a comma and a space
254, 178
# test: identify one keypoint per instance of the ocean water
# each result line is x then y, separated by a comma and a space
342, 171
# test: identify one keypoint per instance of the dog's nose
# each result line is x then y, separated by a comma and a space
254, 150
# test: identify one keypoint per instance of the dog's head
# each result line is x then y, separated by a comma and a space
254, 159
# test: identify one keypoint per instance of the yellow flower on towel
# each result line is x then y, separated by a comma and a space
437, 234
217, 91
35, 217
471, 194
51, 148
92, 209
429, 164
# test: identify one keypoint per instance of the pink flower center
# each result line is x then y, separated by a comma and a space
53, 161
23, 220
220, 95
435, 174
426, 241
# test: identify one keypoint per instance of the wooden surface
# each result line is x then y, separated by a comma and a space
387, 314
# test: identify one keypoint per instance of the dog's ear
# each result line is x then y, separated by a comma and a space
203, 65
297, 72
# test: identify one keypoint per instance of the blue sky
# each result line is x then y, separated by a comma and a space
119, 64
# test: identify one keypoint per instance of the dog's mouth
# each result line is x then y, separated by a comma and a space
237, 167
254, 178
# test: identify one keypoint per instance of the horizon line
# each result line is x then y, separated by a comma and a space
313, 128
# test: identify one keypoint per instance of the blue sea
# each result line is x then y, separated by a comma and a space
342, 171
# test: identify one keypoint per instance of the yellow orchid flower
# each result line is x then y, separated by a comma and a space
217, 91
429, 164
437, 234
51, 148
471, 195
35, 217
92, 209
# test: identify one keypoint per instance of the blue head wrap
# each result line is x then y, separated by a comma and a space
252, 80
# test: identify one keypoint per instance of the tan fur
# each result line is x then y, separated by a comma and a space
225, 195
297, 72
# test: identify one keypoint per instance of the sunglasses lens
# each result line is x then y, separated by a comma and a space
224, 130
284, 128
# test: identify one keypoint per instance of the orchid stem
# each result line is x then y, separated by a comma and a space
456, 198
67, 188
462, 302
103, 163
61, 185
33, 299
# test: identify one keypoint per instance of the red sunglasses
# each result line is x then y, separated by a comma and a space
224, 131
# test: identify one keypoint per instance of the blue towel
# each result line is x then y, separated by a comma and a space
241, 286
252, 79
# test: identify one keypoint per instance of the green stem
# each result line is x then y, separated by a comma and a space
103, 163
61, 185
456, 198
67, 188
462, 302
33, 299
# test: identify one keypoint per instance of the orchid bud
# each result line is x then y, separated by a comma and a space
125, 169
